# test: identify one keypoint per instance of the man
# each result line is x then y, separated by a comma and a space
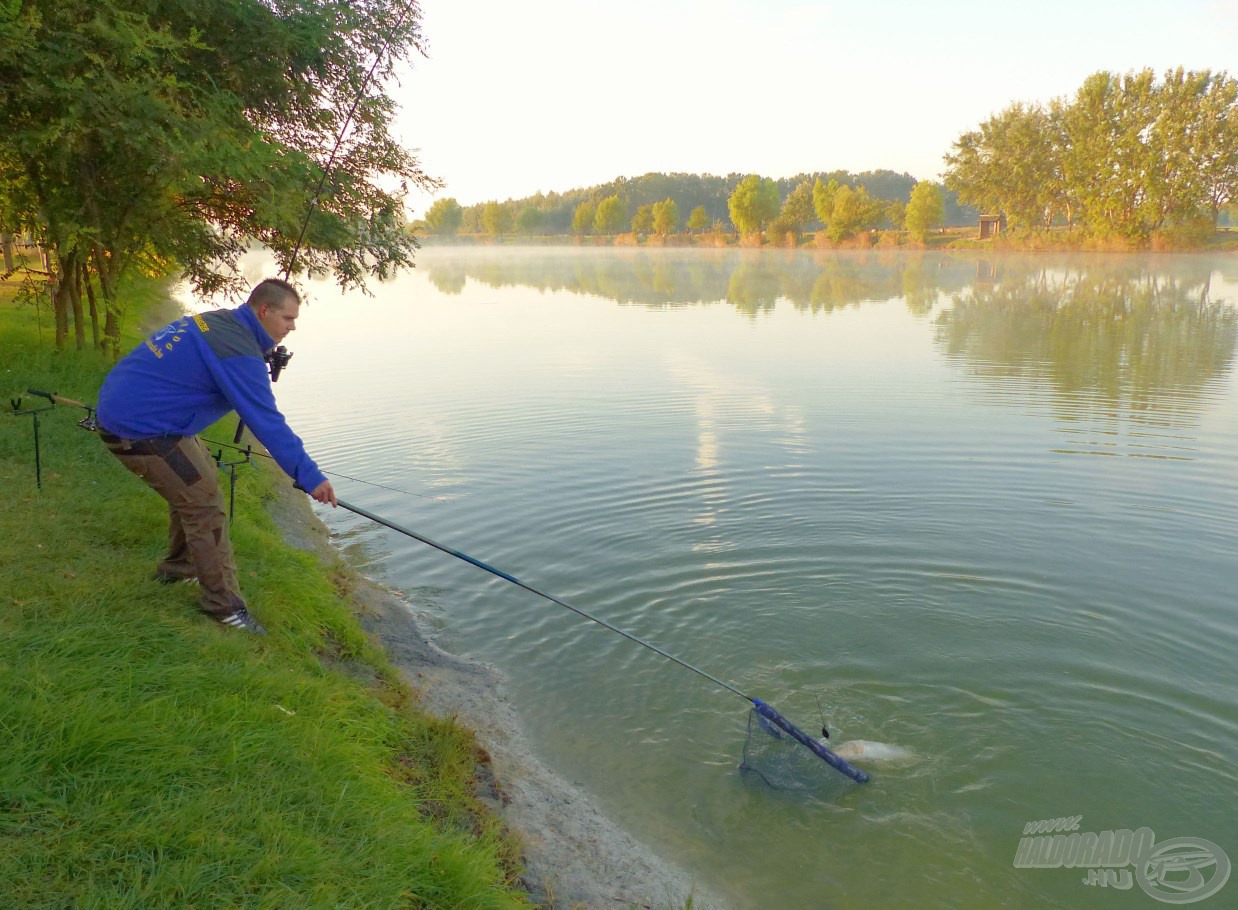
181, 380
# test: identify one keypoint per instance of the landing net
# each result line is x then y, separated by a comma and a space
783, 757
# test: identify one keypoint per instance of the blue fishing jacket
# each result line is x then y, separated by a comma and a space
191, 373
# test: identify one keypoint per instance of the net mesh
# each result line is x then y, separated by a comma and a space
774, 759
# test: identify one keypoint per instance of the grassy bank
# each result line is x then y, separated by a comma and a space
153, 759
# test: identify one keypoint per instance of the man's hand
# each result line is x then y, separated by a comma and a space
324, 493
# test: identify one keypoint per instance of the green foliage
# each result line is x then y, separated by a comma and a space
704, 192
854, 211
611, 216
781, 230
823, 199
665, 217
139, 133
470, 220
642, 221
496, 218
754, 204
896, 214
798, 209
1022, 186
444, 217
583, 219
925, 210
1125, 157
529, 221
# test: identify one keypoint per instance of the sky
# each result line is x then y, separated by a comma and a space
516, 98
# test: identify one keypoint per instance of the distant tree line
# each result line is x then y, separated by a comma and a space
1127, 157
838, 202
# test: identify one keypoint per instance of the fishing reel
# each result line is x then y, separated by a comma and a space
277, 359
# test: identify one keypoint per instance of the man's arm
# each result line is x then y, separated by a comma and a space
246, 385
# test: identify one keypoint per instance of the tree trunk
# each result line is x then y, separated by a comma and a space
74, 278
94, 305
60, 300
111, 308
6, 240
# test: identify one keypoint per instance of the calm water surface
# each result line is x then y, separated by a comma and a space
984, 509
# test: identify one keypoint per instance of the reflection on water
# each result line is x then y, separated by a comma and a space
1108, 336
749, 280
857, 484
1111, 343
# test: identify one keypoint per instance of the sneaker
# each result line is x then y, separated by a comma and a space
241, 619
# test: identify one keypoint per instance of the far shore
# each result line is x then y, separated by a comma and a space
1223, 240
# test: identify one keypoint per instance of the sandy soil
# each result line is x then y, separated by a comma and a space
574, 856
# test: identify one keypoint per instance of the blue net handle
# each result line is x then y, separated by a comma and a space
838, 764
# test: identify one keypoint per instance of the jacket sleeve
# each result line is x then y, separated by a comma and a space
247, 386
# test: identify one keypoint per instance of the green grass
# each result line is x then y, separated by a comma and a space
153, 759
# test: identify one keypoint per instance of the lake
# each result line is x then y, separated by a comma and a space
984, 508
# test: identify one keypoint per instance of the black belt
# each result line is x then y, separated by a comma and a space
158, 445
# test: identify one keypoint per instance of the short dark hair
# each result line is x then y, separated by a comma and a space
273, 292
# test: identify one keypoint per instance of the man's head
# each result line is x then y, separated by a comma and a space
276, 303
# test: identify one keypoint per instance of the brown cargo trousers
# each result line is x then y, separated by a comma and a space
182, 471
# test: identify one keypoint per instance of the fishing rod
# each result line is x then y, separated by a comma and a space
339, 140
764, 710
87, 423
279, 357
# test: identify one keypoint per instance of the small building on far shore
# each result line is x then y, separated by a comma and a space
991, 226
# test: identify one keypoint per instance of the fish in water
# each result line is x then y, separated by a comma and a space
868, 751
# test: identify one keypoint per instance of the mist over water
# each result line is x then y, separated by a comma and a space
984, 509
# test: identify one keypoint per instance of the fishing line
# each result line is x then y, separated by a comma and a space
281, 352
251, 451
339, 140
766, 713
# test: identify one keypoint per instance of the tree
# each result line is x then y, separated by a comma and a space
140, 133
665, 217
1105, 160
823, 199
611, 215
1008, 166
582, 220
444, 217
698, 220
529, 221
496, 219
925, 210
854, 211
642, 221
1196, 135
1218, 146
1126, 156
753, 204
797, 208
780, 231
896, 213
